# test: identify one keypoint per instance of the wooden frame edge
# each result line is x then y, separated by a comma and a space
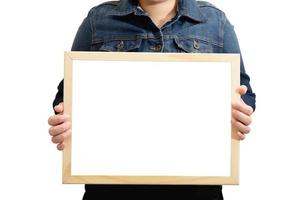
152, 180
68, 62
235, 143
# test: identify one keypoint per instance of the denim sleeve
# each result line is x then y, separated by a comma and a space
82, 42
231, 45
83, 38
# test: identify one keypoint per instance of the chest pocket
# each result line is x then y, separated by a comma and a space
194, 45
119, 45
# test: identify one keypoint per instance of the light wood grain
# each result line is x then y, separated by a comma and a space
67, 110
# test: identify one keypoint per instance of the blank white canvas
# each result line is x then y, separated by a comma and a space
151, 118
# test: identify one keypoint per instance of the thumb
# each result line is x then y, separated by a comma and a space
242, 90
59, 108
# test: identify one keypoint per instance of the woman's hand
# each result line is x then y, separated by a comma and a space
241, 115
60, 128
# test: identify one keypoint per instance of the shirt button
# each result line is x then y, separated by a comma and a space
156, 48
196, 44
120, 45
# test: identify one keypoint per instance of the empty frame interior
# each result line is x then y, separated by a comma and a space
144, 118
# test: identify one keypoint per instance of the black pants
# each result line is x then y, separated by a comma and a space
140, 192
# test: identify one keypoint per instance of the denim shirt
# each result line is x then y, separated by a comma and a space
122, 26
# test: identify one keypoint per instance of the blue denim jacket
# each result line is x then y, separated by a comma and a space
198, 27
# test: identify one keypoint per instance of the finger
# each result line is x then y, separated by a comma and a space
56, 130
61, 137
60, 146
55, 120
241, 127
242, 89
242, 107
59, 108
241, 117
241, 135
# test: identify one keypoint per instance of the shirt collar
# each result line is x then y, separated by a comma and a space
125, 7
187, 8
190, 9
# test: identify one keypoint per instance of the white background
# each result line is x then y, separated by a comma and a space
34, 35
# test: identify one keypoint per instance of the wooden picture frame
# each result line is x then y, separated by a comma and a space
150, 61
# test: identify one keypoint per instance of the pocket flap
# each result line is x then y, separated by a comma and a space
120, 45
194, 45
